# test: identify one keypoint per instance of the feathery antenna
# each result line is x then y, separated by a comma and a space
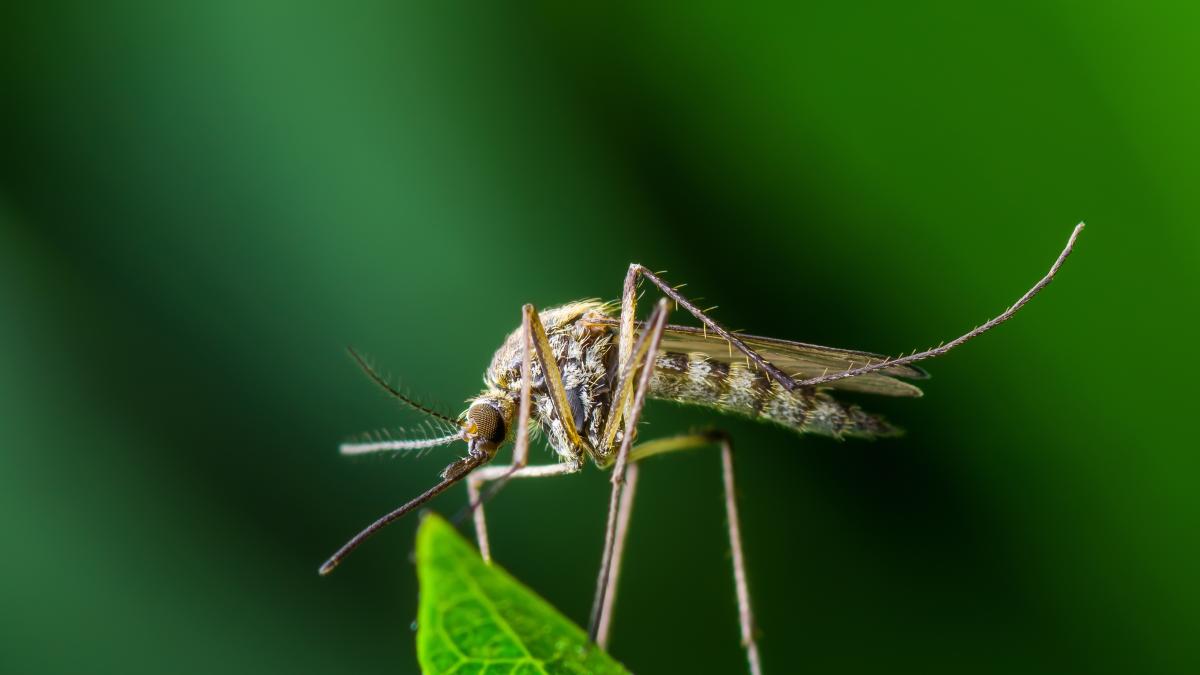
386, 386
410, 444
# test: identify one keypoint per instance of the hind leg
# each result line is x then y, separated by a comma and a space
741, 587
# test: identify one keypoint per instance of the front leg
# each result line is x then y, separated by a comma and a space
534, 342
536, 334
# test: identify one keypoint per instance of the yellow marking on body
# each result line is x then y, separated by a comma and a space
554, 382
625, 394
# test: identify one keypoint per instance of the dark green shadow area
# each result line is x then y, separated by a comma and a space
201, 206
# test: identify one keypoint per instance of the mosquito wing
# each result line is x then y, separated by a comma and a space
798, 359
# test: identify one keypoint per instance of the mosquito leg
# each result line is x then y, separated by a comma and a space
520, 445
625, 359
628, 354
540, 346
970, 335
481, 533
493, 473
745, 612
644, 354
502, 473
624, 511
629, 298
537, 345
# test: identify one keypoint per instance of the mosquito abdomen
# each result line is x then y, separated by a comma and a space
697, 379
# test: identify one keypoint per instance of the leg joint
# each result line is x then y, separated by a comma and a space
717, 436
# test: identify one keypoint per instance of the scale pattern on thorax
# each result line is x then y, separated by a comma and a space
587, 362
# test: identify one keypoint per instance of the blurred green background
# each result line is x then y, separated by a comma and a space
201, 204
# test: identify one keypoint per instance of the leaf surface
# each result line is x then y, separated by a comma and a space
476, 618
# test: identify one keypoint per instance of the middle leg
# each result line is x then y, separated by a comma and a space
628, 408
534, 342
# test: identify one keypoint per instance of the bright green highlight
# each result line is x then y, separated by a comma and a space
476, 618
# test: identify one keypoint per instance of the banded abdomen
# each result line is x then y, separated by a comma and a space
731, 386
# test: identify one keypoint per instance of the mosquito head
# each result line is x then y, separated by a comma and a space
484, 427
487, 422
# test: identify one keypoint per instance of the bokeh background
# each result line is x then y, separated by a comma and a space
202, 204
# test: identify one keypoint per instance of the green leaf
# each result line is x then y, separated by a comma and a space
476, 618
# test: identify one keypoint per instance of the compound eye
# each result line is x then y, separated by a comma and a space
489, 423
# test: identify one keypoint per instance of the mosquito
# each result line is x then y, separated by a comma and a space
581, 373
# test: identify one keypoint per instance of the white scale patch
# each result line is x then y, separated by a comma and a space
555, 434
828, 417
741, 394
700, 384
783, 407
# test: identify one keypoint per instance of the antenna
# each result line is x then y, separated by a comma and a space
383, 383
